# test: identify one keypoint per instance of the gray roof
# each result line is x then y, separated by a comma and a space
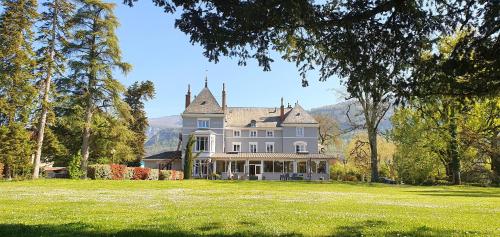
299, 115
246, 155
165, 155
204, 103
243, 116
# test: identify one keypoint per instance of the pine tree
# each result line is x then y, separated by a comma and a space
135, 96
17, 91
52, 37
96, 54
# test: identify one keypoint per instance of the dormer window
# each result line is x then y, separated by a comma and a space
203, 123
253, 123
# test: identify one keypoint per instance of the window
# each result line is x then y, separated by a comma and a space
240, 166
253, 147
253, 123
287, 166
300, 147
236, 133
314, 167
201, 144
301, 167
203, 123
299, 132
270, 133
278, 166
237, 146
268, 166
322, 167
253, 133
269, 147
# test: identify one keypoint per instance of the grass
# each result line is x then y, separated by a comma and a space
252, 208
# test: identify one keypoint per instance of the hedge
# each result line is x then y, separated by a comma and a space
129, 173
154, 174
171, 175
99, 172
141, 173
118, 171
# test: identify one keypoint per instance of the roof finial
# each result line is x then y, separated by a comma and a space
282, 101
189, 88
224, 86
206, 78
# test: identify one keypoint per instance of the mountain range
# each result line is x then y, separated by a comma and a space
163, 132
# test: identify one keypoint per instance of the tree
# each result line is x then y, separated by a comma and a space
188, 157
135, 96
309, 32
52, 36
328, 131
96, 54
16, 82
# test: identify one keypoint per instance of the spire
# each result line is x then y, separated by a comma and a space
206, 78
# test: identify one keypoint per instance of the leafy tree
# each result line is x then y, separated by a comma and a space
16, 82
189, 157
315, 33
96, 54
74, 169
328, 131
135, 96
51, 61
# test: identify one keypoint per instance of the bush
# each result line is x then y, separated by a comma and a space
153, 174
118, 171
165, 174
171, 175
99, 172
129, 173
141, 173
74, 170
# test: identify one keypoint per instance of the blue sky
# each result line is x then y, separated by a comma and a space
163, 54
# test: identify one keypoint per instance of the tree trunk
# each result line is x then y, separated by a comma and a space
455, 159
372, 138
43, 121
86, 137
495, 158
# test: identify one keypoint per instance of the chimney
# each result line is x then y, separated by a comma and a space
282, 110
188, 96
224, 97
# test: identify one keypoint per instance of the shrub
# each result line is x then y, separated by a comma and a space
141, 173
171, 175
165, 174
153, 174
129, 173
74, 170
99, 172
118, 171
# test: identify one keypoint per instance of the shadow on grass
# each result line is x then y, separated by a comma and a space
365, 228
378, 228
457, 193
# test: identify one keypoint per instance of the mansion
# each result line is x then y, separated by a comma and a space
247, 142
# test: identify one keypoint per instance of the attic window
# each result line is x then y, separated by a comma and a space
253, 123
203, 103
298, 114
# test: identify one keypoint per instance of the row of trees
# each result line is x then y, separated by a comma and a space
58, 94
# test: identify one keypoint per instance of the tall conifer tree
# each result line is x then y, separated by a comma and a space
51, 61
95, 54
16, 82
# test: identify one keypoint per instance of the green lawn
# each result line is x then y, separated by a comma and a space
199, 207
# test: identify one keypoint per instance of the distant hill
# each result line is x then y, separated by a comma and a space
163, 132
338, 112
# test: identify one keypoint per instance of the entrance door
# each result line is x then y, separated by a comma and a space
255, 170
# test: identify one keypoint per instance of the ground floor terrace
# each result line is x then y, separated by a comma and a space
264, 166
